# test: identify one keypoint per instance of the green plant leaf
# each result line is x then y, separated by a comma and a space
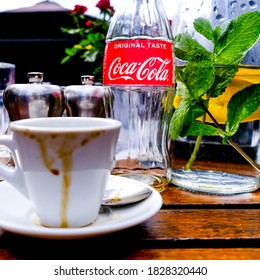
71, 51
180, 117
198, 110
181, 90
65, 59
204, 27
85, 42
216, 33
239, 36
188, 49
223, 77
198, 77
187, 112
241, 105
196, 128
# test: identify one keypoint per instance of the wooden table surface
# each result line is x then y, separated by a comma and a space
189, 226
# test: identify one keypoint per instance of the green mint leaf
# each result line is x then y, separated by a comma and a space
188, 49
221, 31
197, 109
204, 27
181, 90
180, 117
184, 117
196, 128
240, 35
216, 33
223, 77
198, 77
241, 105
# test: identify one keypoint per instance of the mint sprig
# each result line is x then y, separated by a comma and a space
236, 39
206, 74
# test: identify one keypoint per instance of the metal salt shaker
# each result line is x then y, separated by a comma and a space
88, 100
33, 100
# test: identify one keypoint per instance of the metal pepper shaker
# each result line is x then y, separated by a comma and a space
88, 100
34, 99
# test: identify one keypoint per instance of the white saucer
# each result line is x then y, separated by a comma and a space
17, 215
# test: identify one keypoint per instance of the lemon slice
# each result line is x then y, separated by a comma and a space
218, 105
249, 74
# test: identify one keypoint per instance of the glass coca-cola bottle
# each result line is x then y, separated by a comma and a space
139, 69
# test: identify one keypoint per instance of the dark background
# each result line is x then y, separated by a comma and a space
33, 41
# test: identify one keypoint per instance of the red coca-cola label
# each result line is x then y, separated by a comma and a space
139, 62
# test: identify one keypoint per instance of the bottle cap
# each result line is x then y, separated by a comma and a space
35, 77
87, 79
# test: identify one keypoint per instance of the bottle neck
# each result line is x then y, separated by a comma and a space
140, 18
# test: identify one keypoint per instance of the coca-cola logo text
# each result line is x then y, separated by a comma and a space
146, 70
138, 62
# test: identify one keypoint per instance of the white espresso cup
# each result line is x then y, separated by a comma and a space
62, 166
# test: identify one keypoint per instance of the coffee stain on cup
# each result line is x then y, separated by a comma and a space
56, 147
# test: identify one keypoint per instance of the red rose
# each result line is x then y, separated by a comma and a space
103, 4
79, 9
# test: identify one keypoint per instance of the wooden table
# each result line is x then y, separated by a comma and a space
188, 226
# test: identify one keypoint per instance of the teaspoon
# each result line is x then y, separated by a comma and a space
122, 195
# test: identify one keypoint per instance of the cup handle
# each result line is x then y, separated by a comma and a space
14, 176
